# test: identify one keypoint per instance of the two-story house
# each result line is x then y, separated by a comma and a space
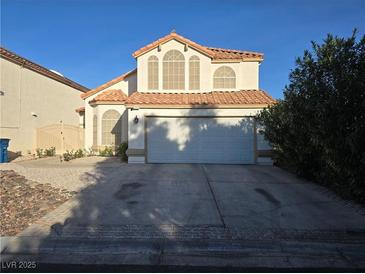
184, 103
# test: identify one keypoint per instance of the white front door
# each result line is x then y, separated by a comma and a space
223, 140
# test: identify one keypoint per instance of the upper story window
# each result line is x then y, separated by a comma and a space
194, 73
173, 70
111, 128
224, 77
153, 72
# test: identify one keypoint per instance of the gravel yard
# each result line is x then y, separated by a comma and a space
30, 189
73, 176
23, 201
70, 179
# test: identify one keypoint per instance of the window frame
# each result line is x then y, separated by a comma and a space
194, 67
117, 135
153, 67
225, 80
95, 130
173, 70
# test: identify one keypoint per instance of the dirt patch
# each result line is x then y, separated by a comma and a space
23, 202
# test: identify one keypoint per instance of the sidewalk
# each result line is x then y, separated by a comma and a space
276, 251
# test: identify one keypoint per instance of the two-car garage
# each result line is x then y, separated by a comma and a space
224, 140
217, 127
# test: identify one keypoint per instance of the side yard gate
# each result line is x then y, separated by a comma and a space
61, 136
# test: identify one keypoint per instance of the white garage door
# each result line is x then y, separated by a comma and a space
224, 140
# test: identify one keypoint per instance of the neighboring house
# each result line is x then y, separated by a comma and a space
184, 103
37, 106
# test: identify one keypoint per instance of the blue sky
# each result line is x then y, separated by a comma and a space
91, 41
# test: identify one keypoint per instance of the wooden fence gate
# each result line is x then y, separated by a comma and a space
61, 136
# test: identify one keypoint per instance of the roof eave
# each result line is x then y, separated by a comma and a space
93, 103
107, 84
197, 106
182, 40
238, 60
19, 60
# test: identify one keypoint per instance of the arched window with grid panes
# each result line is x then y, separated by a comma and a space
111, 128
95, 131
173, 66
152, 73
194, 73
224, 78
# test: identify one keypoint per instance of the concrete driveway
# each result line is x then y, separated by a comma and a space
217, 215
230, 196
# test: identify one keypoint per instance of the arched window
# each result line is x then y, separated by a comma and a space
95, 131
173, 70
111, 128
194, 73
153, 72
224, 77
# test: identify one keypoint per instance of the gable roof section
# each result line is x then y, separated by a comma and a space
214, 53
216, 98
107, 84
17, 59
169, 37
110, 96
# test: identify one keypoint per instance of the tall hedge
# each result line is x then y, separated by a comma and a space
318, 129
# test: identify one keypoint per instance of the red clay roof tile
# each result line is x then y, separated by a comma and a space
110, 95
214, 53
172, 35
215, 98
107, 84
226, 54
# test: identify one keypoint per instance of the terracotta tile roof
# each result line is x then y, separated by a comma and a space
226, 54
110, 95
173, 35
214, 53
215, 98
107, 84
80, 109
17, 59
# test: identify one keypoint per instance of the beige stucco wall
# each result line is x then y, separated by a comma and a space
128, 86
137, 131
26, 93
247, 73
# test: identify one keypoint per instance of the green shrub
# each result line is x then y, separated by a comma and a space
50, 151
121, 151
39, 152
106, 152
318, 129
79, 153
68, 155
90, 152
47, 152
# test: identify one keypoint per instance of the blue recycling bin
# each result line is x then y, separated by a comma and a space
4, 143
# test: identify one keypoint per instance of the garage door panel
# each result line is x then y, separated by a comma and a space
200, 140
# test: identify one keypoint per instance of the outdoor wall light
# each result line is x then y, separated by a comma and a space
136, 120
